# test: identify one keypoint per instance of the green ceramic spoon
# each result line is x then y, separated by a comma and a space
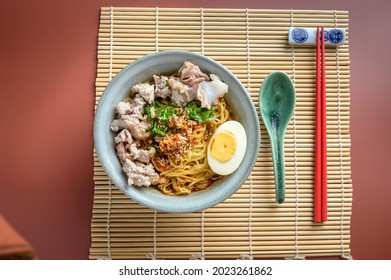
277, 104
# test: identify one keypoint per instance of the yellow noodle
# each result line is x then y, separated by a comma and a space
193, 172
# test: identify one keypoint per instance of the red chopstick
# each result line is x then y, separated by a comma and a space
318, 137
324, 133
320, 180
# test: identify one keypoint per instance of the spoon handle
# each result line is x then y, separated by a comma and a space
277, 146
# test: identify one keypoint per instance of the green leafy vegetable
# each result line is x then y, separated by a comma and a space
163, 112
159, 129
199, 114
148, 111
159, 115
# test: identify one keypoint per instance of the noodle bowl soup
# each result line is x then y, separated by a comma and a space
163, 129
154, 138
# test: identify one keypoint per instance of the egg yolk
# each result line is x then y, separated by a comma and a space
223, 146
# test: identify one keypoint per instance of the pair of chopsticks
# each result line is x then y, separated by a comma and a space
320, 191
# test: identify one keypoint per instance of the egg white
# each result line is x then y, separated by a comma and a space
228, 167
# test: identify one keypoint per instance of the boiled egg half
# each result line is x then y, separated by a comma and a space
227, 147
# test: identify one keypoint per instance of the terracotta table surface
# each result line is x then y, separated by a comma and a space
48, 56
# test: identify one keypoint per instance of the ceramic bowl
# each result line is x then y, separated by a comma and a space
142, 70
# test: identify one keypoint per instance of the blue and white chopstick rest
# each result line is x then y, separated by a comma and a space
307, 36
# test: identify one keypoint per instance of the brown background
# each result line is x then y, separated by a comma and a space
48, 68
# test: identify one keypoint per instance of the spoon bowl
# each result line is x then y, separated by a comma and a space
277, 104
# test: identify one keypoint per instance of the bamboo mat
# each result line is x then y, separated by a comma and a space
251, 44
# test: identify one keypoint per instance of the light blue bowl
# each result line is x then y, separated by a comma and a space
167, 62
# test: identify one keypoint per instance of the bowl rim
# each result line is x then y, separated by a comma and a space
127, 190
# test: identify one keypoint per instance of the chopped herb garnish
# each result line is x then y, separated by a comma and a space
199, 114
163, 112
159, 115
156, 128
